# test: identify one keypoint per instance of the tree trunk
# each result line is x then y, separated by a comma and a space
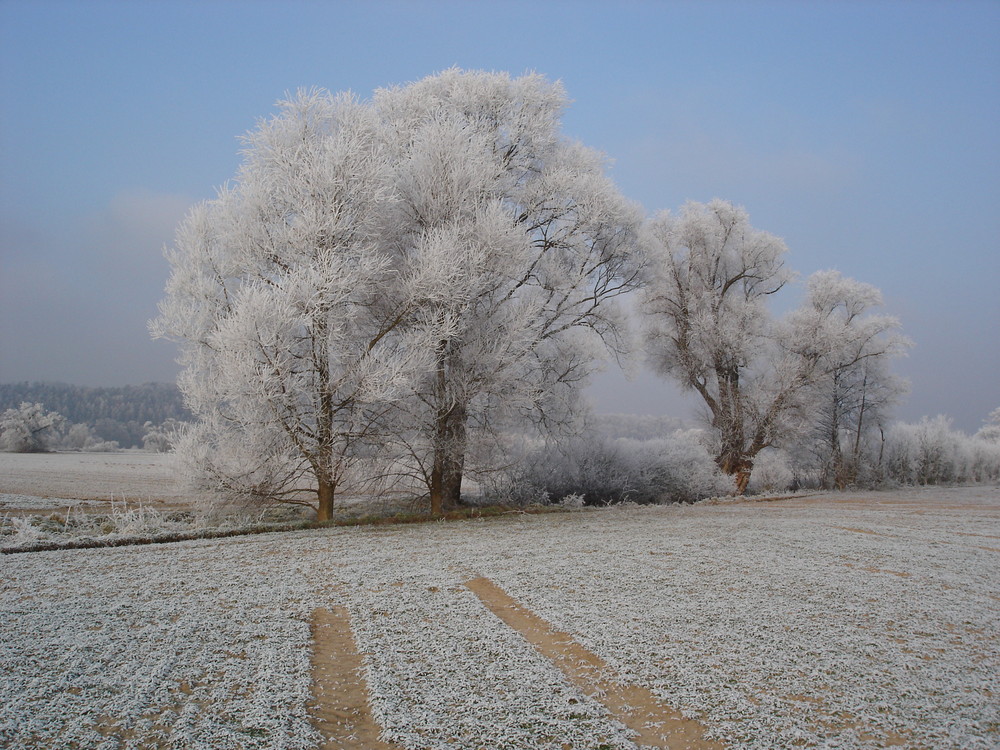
856, 455
449, 458
731, 459
837, 464
743, 477
728, 419
323, 459
738, 466
326, 492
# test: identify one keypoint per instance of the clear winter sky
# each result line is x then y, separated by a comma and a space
867, 134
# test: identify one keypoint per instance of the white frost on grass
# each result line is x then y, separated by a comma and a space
192, 645
448, 673
33, 502
779, 625
131, 475
120, 524
783, 629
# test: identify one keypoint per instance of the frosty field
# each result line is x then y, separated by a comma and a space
849, 621
49, 481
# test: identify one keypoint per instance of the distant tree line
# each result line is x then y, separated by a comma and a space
120, 414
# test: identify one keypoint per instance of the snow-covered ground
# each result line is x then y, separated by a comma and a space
835, 621
126, 475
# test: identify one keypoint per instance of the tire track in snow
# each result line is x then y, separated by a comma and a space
657, 724
340, 706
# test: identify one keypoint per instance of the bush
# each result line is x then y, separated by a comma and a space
29, 428
81, 437
603, 471
772, 472
931, 452
160, 438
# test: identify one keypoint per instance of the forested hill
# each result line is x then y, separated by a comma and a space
149, 402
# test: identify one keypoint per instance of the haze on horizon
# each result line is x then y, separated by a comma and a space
866, 135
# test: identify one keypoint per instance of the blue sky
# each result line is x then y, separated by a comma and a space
867, 134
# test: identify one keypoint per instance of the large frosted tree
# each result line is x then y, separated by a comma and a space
708, 326
406, 272
290, 347
540, 241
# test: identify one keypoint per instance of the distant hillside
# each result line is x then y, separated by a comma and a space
150, 402
116, 413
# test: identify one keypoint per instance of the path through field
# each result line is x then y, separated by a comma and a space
848, 621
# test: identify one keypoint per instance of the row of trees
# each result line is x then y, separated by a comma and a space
404, 282
149, 402
927, 452
931, 451
113, 414
605, 466
31, 428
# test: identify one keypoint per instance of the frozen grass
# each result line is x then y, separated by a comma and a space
19, 501
805, 623
122, 524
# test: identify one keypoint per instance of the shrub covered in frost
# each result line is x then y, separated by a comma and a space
18, 532
931, 452
83, 437
160, 438
772, 472
928, 452
29, 429
134, 524
604, 471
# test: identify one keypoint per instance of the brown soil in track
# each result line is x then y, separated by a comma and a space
657, 724
861, 531
340, 697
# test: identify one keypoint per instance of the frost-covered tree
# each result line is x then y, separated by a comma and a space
849, 416
708, 326
990, 431
29, 428
277, 299
706, 317
853, 389
540, 243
